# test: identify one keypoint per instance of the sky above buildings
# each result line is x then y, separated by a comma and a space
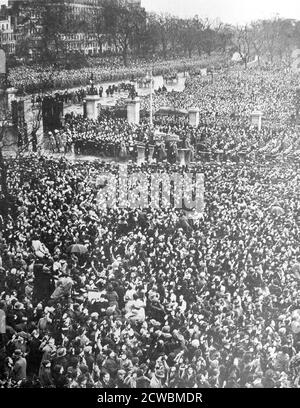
228, 11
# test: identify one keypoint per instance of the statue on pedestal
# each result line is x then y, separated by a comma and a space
132, 93
92, 89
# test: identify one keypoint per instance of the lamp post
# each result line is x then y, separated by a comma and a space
151, 99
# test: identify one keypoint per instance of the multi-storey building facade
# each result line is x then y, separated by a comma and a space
76, 6
87, 44
134, 3
8, 37
25, 22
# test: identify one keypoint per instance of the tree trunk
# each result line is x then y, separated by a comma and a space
153, 49
164, 49
125, 57
258, 59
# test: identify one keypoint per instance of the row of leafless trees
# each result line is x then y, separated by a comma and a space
133, 31
268, 39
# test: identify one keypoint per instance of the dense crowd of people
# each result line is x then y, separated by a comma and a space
32, 78
97, 296
67, 97
225, 128
77, 96
238, 92
110, 137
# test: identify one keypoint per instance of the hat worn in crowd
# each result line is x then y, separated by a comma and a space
61, 352
19, 306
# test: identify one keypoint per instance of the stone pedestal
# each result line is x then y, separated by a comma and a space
218, 155
92, 102
11, 96
256, 119
151, 151
181, 157
187, 156
140, 153
133, 110
135, 84
194, 117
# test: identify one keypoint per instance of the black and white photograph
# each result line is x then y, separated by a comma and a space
149, 187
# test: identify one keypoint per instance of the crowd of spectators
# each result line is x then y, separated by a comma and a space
67, 97
236, 92
207, 302
32, 78
225, 126
111, 137
98, 297
77, 96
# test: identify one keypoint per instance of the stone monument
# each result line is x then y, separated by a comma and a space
181, 157
133, 110
11, 96
256, 118
194, 117
92, 101
140, 153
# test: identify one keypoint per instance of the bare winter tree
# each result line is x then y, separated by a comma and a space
271, 38
257, 38
122, 26
224, 36
207, 36
162, 30
242, 42
189, 34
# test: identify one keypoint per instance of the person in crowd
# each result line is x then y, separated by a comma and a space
20, 365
